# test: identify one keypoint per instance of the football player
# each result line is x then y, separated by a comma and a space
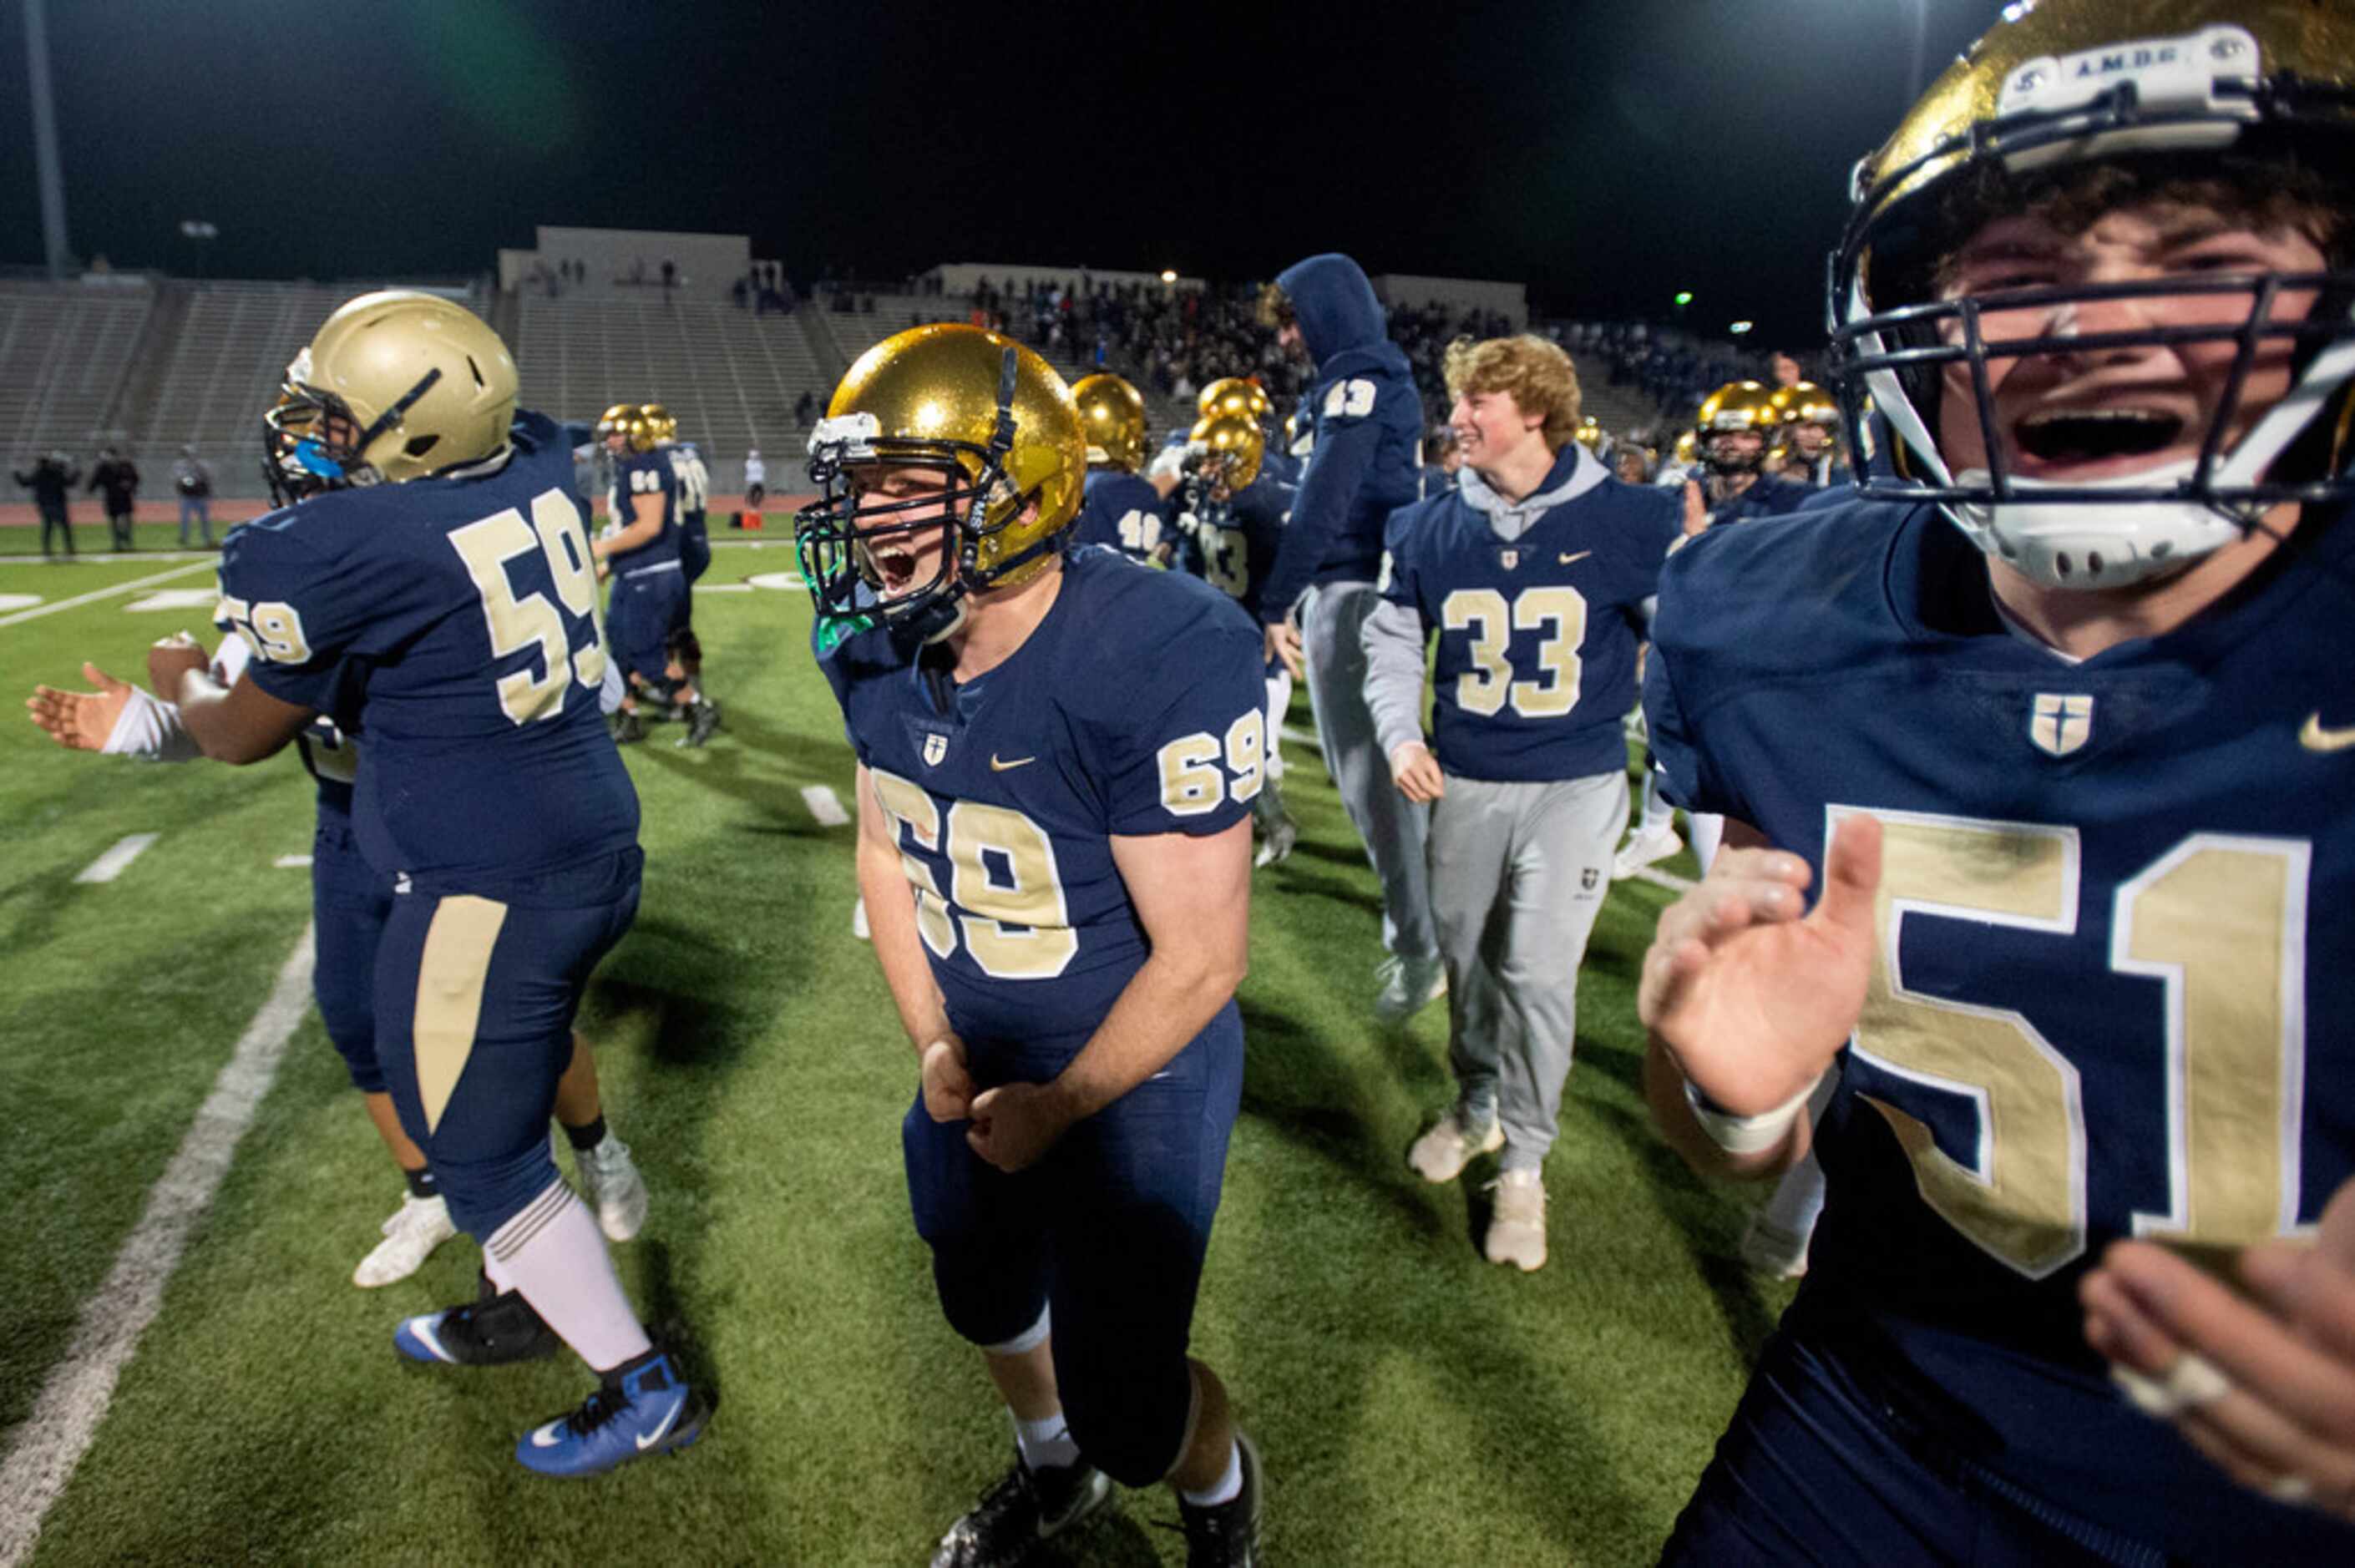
2063, 735
1537, 574
1239, 525
489, 794
1055, 853
348, 906
682, 650
1736, 426
649, 582
1121, 509
1806, 450
1366, 422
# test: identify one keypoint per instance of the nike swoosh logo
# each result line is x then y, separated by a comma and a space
1580, 556
2314, 737
997, 767
648, 1439
548, 1436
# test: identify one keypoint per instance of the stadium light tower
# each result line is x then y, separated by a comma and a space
45, 139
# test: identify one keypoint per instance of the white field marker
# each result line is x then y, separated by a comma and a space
111, 864
133, 585
825, 806
1668, 879
1307, 738
292, 862
43, 1452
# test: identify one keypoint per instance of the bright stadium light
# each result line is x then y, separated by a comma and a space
1684, 298
1738, 328
1168, 274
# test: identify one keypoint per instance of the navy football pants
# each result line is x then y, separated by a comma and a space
1108, 1231
641, 614
475, 998
1816, 1467
349, 905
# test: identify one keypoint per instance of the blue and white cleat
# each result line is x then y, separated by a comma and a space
641, 1407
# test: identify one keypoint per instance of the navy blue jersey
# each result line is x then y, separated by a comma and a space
1537, 634
645, 473
1768, 495
1369, 427
1239, 538
1004, 792
451, 622
1123, 512
2109, 997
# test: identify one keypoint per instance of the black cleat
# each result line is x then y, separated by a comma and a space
498, 1328
702, 723
627, 728
1025, 1509
1225, 1535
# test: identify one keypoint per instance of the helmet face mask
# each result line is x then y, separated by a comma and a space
997, 426
2074, 286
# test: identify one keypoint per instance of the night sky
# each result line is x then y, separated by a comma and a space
1605, 155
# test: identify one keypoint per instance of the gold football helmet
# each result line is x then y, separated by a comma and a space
1232, 446
628, 422
1233, 395
1733, 408
660, 426
1589, 434
1114, 414
994, 420
394, 386
2260, 93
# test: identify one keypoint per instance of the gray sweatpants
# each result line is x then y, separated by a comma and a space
1392, 826
1518, 872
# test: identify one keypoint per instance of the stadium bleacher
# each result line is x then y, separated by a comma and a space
65, 353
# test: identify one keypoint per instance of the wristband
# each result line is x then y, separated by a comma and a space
1745, 1134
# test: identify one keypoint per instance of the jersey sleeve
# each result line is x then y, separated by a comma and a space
306, 614
1671, 673
1347, 439
1195, 755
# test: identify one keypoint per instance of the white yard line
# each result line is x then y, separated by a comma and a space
96, 594
292, 862
111, 864
43, 1452
825, 806
723, 588
1668, 879
108, 558
1307, 738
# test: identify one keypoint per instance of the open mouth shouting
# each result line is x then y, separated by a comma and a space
2089, 441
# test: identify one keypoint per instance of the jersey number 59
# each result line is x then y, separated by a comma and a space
573, 653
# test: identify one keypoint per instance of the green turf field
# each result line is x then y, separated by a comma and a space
1414, 1404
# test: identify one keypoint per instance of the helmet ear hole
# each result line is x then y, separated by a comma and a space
476, 370
418, 446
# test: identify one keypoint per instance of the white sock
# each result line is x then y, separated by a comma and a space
1226, 1489
1660, 817
554, 1254
1046, 1443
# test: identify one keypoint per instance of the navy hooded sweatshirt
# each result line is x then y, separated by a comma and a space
1369, 421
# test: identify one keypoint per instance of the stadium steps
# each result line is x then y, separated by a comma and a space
135, 407
64, 354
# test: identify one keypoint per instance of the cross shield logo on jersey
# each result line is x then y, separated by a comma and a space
935, 747
2058, 723
1508, 559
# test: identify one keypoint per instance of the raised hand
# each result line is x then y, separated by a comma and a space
1749, 995
81, 721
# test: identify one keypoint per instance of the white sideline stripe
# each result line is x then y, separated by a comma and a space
43, 1452
1301, 738
1668, 879
825, 806
133, 585
723, 588
111, 864
292, 862
108, 558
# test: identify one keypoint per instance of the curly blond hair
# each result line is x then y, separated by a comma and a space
1534, 372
